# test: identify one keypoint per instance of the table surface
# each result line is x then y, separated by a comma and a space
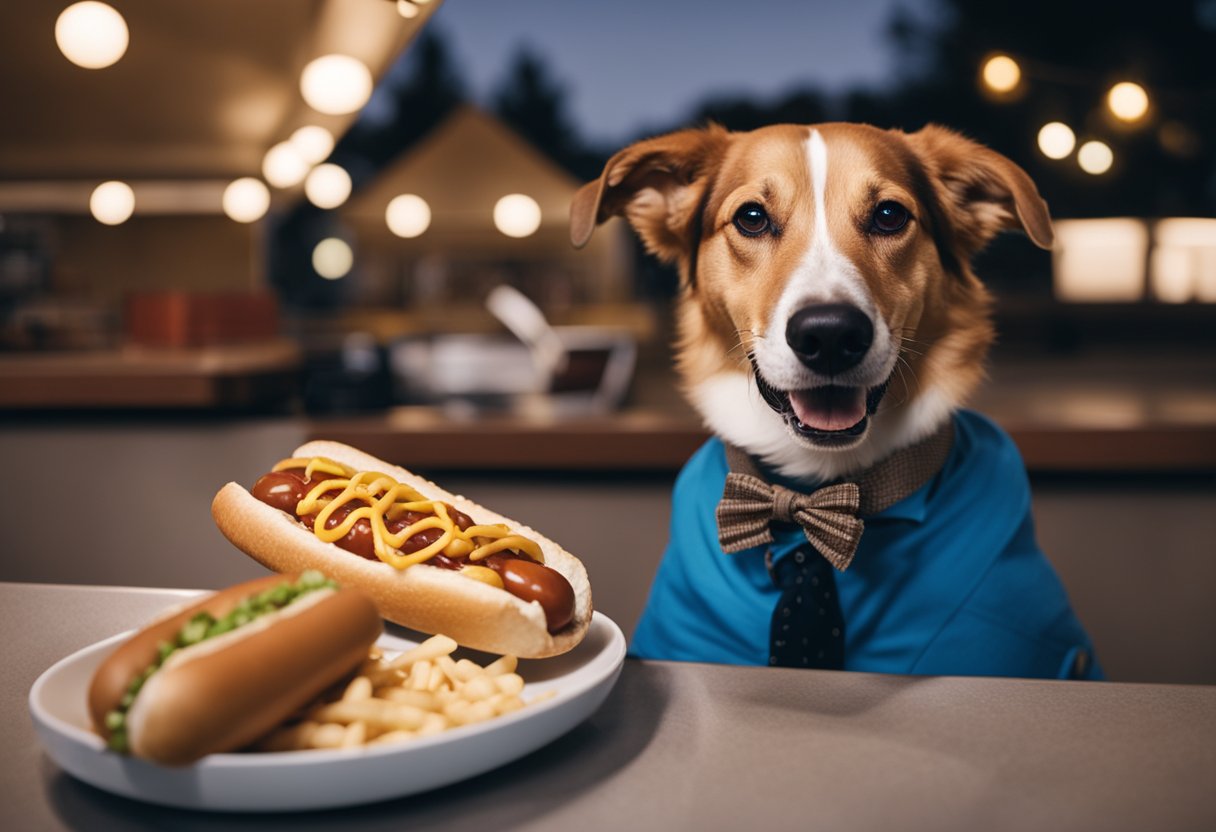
686, 746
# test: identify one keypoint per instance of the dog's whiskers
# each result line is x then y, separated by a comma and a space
905, 339
900, 364
746, 338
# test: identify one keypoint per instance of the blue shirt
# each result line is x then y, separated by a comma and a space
949, 580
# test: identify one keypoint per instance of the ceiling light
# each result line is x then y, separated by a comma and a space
408, 215
336, 84
246, 199
332, 258
92, 35
283, 166
112, 203
313, 143
327, 186
517, 215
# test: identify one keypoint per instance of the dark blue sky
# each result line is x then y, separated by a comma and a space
629, 64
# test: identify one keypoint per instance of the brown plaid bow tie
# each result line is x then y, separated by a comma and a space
829, 515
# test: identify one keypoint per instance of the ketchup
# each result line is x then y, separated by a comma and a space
521, 576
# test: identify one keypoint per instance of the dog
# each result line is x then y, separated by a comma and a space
829, 318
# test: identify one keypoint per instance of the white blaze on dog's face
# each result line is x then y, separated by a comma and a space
829, 315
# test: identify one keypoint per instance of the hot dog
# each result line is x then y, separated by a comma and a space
222, 672
432, 561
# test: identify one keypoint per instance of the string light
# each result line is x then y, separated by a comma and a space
283, 166
408, 215
1095, 157
336, 84
332, 258
1056, 140
91, 34
327, 186
1001, 73
112, 203
313, 143
1127, 101
246, 199
517, 215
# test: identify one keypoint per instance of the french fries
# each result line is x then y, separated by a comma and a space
418, 693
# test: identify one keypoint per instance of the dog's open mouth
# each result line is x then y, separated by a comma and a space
831, 414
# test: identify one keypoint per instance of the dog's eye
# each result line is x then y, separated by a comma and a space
751, 220
889, 217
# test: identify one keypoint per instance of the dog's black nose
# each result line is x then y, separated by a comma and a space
830, 338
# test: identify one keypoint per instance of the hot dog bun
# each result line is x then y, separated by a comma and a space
231, 689
420, 597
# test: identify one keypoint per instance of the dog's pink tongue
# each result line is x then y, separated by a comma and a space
829, 408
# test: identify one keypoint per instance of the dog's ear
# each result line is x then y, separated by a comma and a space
657, 185
981, 191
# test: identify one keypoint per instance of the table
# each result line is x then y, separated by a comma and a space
687, 746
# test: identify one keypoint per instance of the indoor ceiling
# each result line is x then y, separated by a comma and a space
204, 89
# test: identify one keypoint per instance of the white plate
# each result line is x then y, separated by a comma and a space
299, 780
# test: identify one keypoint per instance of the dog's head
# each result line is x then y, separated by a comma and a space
829, 314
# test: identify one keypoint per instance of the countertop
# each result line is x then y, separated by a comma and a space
686, 746
1107, 413
231, 376
1103, 413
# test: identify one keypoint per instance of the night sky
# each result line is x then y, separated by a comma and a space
630, 64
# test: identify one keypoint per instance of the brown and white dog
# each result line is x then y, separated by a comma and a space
828, 318
829, 315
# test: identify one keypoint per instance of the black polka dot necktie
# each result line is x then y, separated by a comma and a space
808, 628
808, 625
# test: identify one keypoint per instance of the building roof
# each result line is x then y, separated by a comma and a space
203, 90
462, 168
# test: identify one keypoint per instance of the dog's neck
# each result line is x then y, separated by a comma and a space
733, 409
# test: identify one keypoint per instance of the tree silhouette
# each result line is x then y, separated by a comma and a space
418, 93
744, 113
1070, 54
533, 103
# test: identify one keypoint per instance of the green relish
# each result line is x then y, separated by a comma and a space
204, 626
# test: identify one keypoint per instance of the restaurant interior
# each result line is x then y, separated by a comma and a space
229, 227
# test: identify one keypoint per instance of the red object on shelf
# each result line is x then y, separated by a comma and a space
199, 319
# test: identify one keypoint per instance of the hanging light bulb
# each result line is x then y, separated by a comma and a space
246, 199
91, 34
283, 166
1056, 140
336, 84
327, 186
408, 215
407, 9
1128, 101
517, 215
112, 203
1001, 73
332, 258
313, 143
1095, 157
